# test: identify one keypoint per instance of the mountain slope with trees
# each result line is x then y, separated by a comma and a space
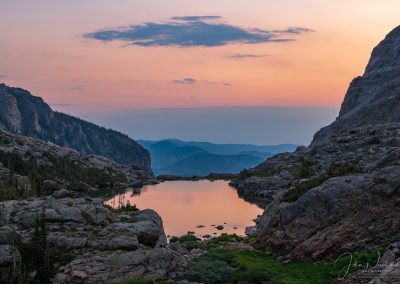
23, 113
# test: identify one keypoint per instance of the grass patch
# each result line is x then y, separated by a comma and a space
225, 265
344, 170
263, 173
307, 167
303, 187
140, 281
225, 238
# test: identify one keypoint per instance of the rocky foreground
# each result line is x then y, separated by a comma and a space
101, 245
342, 193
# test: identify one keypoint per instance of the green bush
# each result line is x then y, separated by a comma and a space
244, 174
307, 167
214, 272
226, 238
303, 187
140, 281
191, 242
216, 266
188, 238
255, 275
174, 239
343, 170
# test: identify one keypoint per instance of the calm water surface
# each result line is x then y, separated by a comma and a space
187, 205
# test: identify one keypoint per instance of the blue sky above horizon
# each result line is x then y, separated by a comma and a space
221, 125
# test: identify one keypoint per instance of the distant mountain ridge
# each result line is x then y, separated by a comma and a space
23, 113
176, 157
229, 149
205, 164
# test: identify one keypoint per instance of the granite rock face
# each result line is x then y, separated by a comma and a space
340, 194
105, 246
23, 113
373, 98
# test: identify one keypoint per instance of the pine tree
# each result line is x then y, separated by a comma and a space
40, 250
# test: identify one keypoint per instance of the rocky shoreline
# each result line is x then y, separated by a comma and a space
211, 177
103, 245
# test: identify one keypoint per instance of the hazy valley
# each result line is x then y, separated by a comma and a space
175, 157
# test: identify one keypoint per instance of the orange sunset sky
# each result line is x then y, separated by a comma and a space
43, 49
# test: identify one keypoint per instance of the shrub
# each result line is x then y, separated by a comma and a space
225, 238
344, 170
255, 276
214, 272
191, 242
303, 187
244, 174
307, 167
174, 239
188, 238
140, 281
216, 266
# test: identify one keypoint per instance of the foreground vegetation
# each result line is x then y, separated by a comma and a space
222, 264
141, 281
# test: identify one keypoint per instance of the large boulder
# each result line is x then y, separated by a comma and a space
106, 246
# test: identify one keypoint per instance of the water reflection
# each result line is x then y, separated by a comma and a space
197, 206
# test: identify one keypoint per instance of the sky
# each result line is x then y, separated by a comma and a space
103, 59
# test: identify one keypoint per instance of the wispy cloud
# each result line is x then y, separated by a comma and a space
189, 31
294, 30
196, 18
185, 81
2, 76
192, 81
226, 84
246, 56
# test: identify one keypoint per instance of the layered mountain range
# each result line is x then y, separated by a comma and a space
23, 113
180, 158
341, 194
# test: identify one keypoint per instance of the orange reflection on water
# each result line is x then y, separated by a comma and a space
184, 205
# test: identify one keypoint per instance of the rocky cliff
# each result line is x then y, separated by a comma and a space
22, 113
72, 238
341, 194
373, 98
